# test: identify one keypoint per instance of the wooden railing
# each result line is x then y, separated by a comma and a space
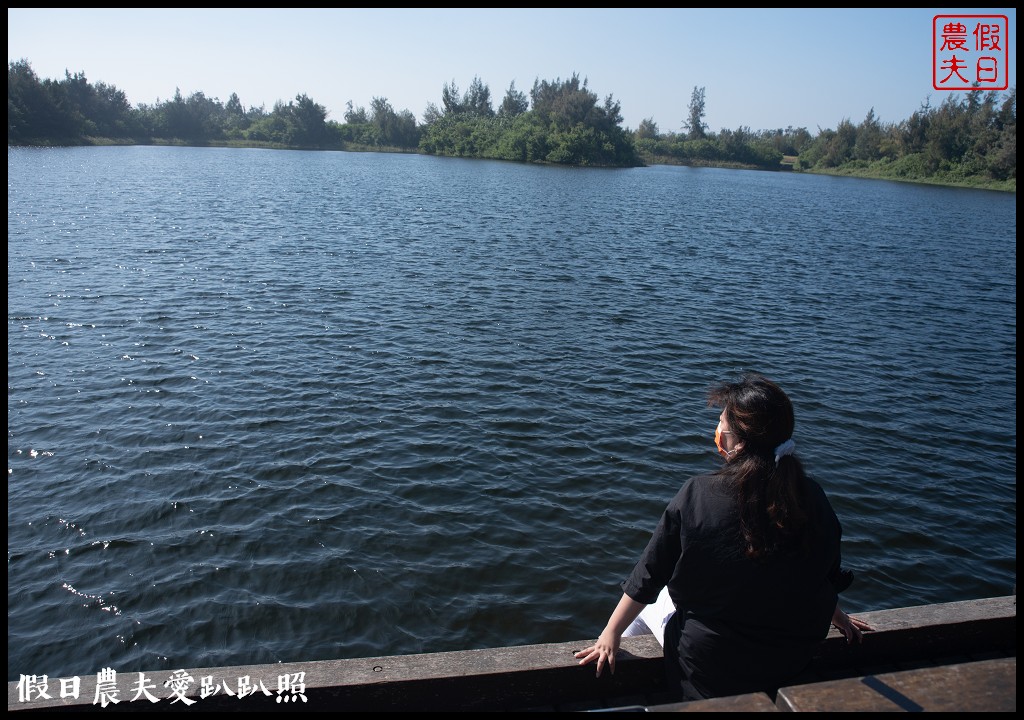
968, 648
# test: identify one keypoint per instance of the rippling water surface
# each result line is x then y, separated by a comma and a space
282, 406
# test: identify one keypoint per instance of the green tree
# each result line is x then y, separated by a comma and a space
840, 144
197, 119
355, 115
581, 130
694, 124
477, 100
648, 129
514, 104
309, 120
431, 114
731, 142
566, 125
113, 115
174, 118
868, 145
37, 110
1002, 158
382, 117
75, 98
948, 134
451, 100
790, 141
406, 133
913, 132
24, 93
235, 118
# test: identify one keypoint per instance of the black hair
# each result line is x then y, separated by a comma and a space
770, 495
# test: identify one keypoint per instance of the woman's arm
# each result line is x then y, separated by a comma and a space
607, 645
850, 627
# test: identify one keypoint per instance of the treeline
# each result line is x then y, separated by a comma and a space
561, 122
967, 139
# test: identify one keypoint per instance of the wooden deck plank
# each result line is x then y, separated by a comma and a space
752, 702
963, 630
982, 686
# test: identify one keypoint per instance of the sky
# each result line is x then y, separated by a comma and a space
760, 68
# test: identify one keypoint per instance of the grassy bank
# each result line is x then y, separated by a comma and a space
899, 171
949, 179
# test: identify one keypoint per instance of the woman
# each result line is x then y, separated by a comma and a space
749, 556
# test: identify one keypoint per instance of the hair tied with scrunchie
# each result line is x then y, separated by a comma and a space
784, 449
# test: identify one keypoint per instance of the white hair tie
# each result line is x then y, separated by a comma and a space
784, 449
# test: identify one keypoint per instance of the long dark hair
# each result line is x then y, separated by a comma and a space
770, 496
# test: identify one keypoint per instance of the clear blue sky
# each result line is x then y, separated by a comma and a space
763, 69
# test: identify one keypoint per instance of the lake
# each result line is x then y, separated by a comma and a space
277, 406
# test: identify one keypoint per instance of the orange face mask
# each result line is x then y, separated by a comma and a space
718, 442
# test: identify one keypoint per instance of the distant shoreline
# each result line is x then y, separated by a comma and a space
789, 164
